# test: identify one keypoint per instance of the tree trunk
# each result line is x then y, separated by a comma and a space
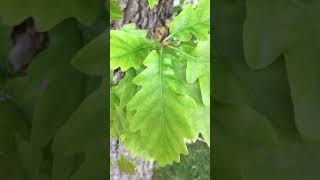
138, 12
144, 169
156, 22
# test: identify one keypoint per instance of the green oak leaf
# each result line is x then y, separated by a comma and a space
91, 59
132, 28
129, 167
12, 122
26, 92
48, 13
267, 35
117, 117
49, 115
192, 21
152, 3
161, 110
132, 142
236, 83
125, 90
30, 157
299, 160
84, 133
115, 11
120, 95
228, 86
201, 122
303, 78
192, 89
64, 42
198, 67
128, 48
239, 132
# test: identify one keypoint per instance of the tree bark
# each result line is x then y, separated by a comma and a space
138, 12
144, 169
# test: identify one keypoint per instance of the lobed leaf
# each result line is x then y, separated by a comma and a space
200, 122
192, 21
198, 67
128, 48
161, 110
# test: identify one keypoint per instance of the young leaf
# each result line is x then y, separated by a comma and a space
152, 3
125, 90
128, 49
118, 123
198, 67
129, 167
161, 110
115, 11
192, 21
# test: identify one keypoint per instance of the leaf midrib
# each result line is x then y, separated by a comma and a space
163, 131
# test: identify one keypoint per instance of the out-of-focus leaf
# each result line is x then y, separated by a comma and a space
92, 59
48, 13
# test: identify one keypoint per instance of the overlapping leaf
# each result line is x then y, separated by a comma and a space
162, 116
271, 29
65, 40
128, 48
84, 133
192, 21
91, 59
198, 67
49, 115
267, 37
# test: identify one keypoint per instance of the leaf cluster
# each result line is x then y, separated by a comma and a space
164, 97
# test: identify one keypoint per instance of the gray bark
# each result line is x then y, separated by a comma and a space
144, 168
138, 12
